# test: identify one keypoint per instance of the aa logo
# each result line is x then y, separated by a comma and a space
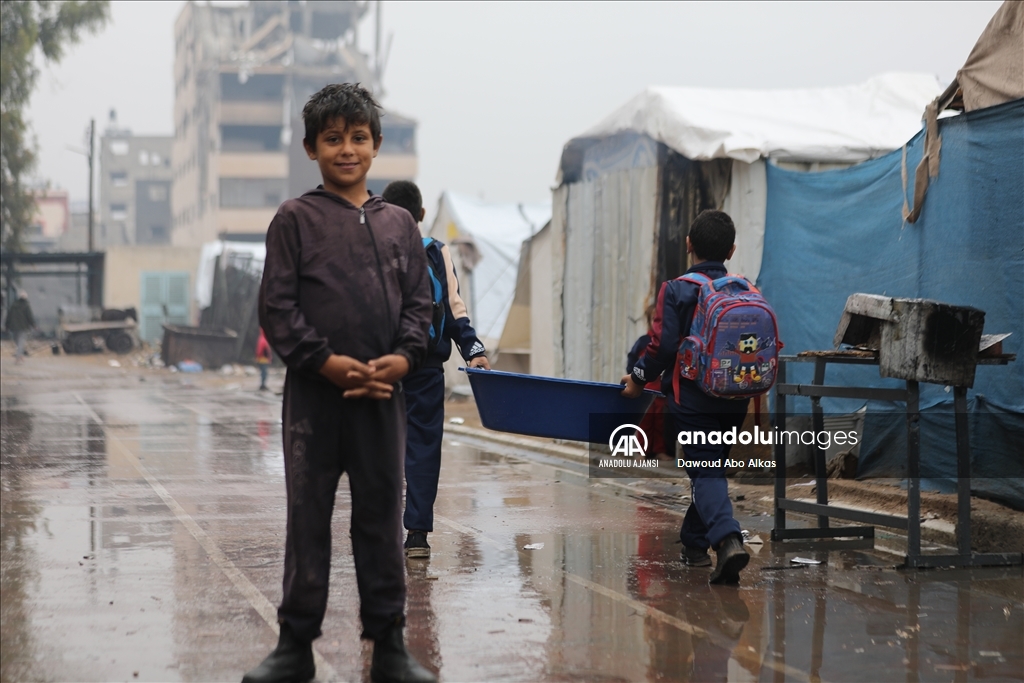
625, 441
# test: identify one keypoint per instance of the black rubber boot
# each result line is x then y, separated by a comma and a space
695, 557
731, 559
392, 663
290, 662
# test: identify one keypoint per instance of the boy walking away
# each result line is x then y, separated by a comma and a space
696, 406
263, 359
20, 322
344, 303
424, 389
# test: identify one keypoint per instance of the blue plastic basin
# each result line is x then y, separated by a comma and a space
553, 407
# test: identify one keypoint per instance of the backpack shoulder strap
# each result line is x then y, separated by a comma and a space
433, 248
750, 285
698, 279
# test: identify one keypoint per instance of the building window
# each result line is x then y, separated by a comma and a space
118, 212
119, 147
252, 193
398, 140
143, 158
157, 193
119, 178
377, 185
255, 88
250, 138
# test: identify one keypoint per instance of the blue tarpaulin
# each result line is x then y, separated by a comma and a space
831, 234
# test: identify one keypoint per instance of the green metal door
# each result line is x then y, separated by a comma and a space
164, 300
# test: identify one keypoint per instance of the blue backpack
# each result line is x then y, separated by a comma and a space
435, 261
733, 347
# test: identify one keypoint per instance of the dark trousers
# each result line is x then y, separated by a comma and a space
424, 409
709, 518
324, 436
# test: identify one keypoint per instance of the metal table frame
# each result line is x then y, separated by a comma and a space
911, 524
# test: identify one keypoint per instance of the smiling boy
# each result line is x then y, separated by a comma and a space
345, 303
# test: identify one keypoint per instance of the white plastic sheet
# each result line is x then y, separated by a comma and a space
208, 264
839, 124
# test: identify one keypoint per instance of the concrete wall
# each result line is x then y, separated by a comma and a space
122, 276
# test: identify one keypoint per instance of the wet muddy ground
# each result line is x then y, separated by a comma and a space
142, 539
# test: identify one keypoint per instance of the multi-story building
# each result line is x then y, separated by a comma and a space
242, 75
50, 220
135, 188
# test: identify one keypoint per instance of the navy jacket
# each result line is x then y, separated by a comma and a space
457, 328
673, 316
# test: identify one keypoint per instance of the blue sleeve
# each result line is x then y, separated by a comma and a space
634, 354
463, 335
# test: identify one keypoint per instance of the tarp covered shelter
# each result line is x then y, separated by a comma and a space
629, 188
829, 235
485, 239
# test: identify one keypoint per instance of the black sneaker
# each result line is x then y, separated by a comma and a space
416, 545
695, 557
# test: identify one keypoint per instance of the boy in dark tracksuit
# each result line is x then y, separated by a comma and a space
708, 521
424, 389
344, 303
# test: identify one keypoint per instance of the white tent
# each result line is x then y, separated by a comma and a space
485, 239
842, 124
629, 187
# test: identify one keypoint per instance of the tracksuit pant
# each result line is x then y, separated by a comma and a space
709, 518
424, 404
324, 436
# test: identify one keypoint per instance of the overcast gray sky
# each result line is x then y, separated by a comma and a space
498, 88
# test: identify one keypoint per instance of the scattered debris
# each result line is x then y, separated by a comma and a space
456, 421
843, 466
113, 363
189, 366
804, 560
781, 567
533, 546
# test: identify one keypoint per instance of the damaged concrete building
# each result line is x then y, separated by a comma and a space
135, 187
242, 75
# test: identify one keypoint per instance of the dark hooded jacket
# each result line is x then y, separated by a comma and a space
343, 280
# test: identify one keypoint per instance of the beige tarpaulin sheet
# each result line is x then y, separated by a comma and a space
993, 74
994, 71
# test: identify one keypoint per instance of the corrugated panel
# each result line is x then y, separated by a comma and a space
610, 237
556, 244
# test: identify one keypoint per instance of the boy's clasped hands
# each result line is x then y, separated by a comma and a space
375, 379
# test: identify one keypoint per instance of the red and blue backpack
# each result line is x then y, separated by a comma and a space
733, 347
